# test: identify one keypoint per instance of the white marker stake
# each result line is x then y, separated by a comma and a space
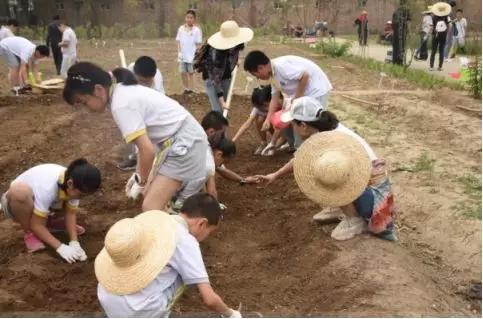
123, 58
230, 91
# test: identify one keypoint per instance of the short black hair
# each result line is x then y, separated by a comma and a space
203, 205
82, 78
13, 22
459, 10
192, 12
214, 120
124, 76
145, 67
85, 176
254, 59
261, 95
225, 145
43, 50
326, 121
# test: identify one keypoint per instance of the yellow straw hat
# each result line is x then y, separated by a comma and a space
135, 251
332, 168
441, 9
230, 35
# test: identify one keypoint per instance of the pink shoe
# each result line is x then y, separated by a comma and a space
33, 243
57, 225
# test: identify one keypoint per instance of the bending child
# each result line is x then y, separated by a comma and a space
148, 260
43, 189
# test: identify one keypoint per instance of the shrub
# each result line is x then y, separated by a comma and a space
333, 48
474, 79
81, 32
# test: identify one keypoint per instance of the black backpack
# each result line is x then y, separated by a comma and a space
200, 55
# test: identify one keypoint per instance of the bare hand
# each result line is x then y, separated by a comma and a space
252, 180
270, 178
266, 125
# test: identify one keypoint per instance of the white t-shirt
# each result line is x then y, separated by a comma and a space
342, 128
461, 27
43, 180
427, 24
210, 163
20, 47
185, 266
139, 110
157, 81
71, 49
287, 71
255, 111
5, 32
188, 38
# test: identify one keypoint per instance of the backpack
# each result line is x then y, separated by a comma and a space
200, 55
441, 26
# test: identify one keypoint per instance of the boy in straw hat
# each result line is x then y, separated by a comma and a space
146, 260
334, 170
220, 59
440, 11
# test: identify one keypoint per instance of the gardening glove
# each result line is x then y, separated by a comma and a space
268, 150
133, 189
68, 253
235, 314
75, 244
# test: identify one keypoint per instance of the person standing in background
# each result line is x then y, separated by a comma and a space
68, 47
441, 11
426, 30
9, 29
459, 34
54, 36
362, 28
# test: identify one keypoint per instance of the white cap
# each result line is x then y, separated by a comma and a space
304, 109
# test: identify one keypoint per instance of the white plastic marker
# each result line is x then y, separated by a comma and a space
230, 91
123, 58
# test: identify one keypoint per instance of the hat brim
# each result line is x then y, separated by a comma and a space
358, 175
286, 117
436, 9
127, 280
219, 42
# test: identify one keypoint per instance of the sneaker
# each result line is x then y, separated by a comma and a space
32, 243
284, 147
259, 149
389, 234
128, 165
329, 215
431, 68
57, 225
269, 152
189, 91
440, 69
186, 91
349, 227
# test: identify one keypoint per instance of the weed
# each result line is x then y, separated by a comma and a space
472, 185
333, 48
471, 207
424, 163
474, 79
469, 210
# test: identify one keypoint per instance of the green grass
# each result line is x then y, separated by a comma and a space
471, 207
424, 163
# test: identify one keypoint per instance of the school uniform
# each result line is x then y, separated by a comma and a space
16, 50
157, 81
5, 32
185, 267
69, 53
189, 39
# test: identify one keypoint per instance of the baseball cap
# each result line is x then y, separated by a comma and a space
304, 109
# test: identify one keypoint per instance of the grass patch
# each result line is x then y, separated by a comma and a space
424, 163
333, 49
472, 185
471, 207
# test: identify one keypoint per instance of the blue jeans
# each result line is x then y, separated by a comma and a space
210, 91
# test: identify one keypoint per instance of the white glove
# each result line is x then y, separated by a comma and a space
223, 206
268, 150
235, 314
75, 244
68, 253
133, 189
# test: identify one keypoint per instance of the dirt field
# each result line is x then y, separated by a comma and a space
268, 254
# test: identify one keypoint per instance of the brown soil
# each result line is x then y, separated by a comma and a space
267, 254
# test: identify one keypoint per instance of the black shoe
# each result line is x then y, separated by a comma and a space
186, 91
127, 165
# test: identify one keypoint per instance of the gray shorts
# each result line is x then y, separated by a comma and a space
185, 67
5, 207
11, 59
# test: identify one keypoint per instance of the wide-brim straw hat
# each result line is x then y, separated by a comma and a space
230, 35
332, 168
135, 251
441, 9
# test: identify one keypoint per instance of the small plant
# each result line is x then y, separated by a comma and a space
334, 49
472, 187
474, 79
424, 163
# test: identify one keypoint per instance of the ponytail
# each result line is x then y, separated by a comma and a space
85, 176
124, 76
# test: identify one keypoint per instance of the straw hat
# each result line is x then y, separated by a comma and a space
441, 9
229, 36
332, 168
135, 251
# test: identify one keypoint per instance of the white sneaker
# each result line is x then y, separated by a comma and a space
329, 215
259, 149
349, 227
431, 69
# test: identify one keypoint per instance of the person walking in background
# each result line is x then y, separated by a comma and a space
362, 28
459, 34
189, 39
68, 47
54, 36
426, 29
441, 11
9, 29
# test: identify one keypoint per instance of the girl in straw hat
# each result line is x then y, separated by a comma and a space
329, 175
172, 145
47, 188
147, 260
440, 11
219, 60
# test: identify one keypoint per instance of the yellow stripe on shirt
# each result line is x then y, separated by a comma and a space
131, 137
41, 213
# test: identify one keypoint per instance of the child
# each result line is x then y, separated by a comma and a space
172, 145
260, 100
68, 47
21, 56
44, 188
309, 117
147, 260
189, 39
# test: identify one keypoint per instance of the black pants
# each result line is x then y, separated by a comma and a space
422, 52
57, 55
439, 41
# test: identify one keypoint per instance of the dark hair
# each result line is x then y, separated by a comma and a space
124, 76
145, 67
459, 10
192, 12
225, 145
327, 121
254, 59
82, 78
43, 50
214, 120
13, 22
56, 17
85, 176
203, 205
261, 95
